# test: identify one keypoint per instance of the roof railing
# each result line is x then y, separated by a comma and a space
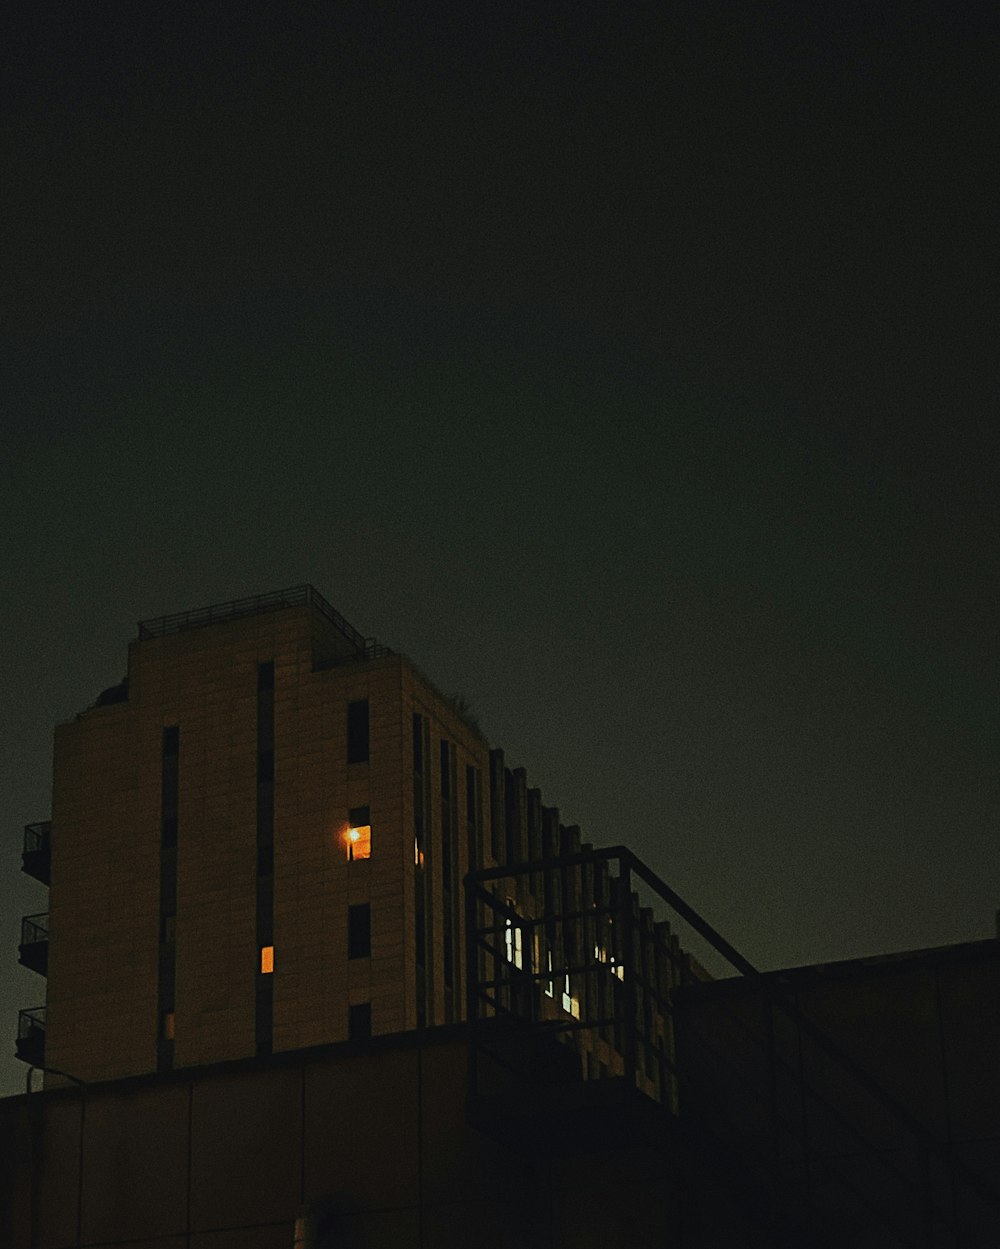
256, 604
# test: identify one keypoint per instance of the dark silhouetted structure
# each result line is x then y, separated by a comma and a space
323, 971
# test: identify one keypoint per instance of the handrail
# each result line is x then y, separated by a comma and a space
32, 931
775, 994
275, 600
29, 1021
37, 835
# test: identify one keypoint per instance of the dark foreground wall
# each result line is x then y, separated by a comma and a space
865, 1095
376, 1143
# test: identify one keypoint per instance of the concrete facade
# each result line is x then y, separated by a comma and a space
280, 1036
105, 929
366, 1147
837, 1107
863, 1097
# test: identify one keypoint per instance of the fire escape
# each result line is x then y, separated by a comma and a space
586, 1032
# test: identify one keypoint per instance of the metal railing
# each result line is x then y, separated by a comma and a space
35, 928
294, 596
31, 1023
562, 944
37, 837
561, 947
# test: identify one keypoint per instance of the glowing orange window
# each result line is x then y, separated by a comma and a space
359, 842
358, 837
266, 959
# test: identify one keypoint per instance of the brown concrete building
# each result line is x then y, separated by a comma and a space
323, 971
258, 843
248, 851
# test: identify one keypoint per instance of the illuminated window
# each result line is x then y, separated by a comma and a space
359, 842
512, 941
359, 834
167, 1026
266, 959
570, 1004
550, 984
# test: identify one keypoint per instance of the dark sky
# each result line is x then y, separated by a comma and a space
631, 367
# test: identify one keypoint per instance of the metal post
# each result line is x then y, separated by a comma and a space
628, 961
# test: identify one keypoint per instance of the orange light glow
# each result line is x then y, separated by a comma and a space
267, 959
359, 842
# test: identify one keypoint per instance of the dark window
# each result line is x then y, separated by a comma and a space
164, 1055
265, 910
470, 796
357, 731
420, 930
264, 1010
421, 792
359, 1022
359, 930
449, 957
512, 818
473, 818
168, 881
265, 813
170, 750
168, 977
357, 816
264, 1013
418, 743
169, 777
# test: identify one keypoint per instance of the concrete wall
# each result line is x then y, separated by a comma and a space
870, 1108
374, 1140
103, 1017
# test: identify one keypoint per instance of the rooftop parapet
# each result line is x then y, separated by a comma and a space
255, 605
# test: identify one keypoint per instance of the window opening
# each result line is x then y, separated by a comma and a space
359, 930
357, 731
359, 834
570, 1003
359, 1022
513, 941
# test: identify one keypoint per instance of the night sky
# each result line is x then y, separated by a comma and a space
630, 367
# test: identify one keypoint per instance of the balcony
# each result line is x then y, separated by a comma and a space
30, 1046
36, 858
33, 951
